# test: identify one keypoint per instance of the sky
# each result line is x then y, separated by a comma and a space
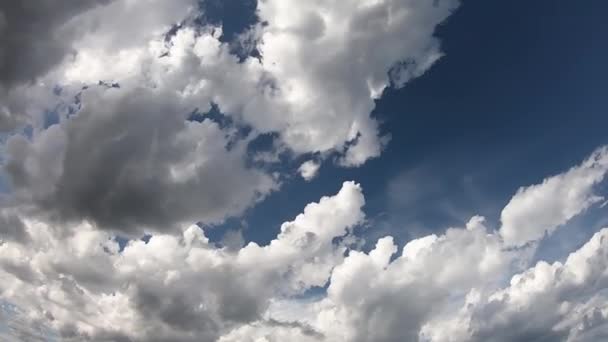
362, 170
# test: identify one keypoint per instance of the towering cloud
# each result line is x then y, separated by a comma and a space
314, 82
75, 280
124, 118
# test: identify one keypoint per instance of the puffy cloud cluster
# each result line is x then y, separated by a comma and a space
321, 64
34, 37
173, 287
111, 112
548, 302
331, 58
37, 35
128, 164
44, 43
114, 130
541, 208
467, 284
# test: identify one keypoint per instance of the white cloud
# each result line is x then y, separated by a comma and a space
330, 60
309, 169
541, 208
315, 84
273, 331
314, 88
172, 288
129, 160
445, 287
553, 302
36, 35
374, 299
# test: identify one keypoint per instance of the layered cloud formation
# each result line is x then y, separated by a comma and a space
76, 279
117, 124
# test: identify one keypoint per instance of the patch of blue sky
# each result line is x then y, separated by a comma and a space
50, 118
234, 16
14, 324
505, 107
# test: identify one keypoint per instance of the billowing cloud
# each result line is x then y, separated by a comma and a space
128, 159
548, 302
330, 60
309, 169
171, 288
316, 102
133, 117
273, 331
132, 161
120, 150
11, 227
452, 286
39, 38
543, 207
37, 35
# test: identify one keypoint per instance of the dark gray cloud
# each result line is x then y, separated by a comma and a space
523, 326
11, 227
8, 121
34, 37
131, 161
176, 311
179, 288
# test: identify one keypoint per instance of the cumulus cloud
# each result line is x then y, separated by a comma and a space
172, 288
37, 35
115, 132
314, 82
548, 302
132, 161
41, 38
309, 169
543, 207
273, 331
330, 60
11, 227
127, 157
466, 284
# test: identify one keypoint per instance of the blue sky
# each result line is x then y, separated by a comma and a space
152, 185
519, 95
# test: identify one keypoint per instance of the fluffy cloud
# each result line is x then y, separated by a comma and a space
128, 159
314, 83
330, 60
454, 286
448, 288
548, 302
273, 331
171, 288
37, 35
115, 131
541, 208
11, 227
131, 162
44, 44
309, 169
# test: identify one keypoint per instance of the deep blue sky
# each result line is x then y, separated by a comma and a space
519, 95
